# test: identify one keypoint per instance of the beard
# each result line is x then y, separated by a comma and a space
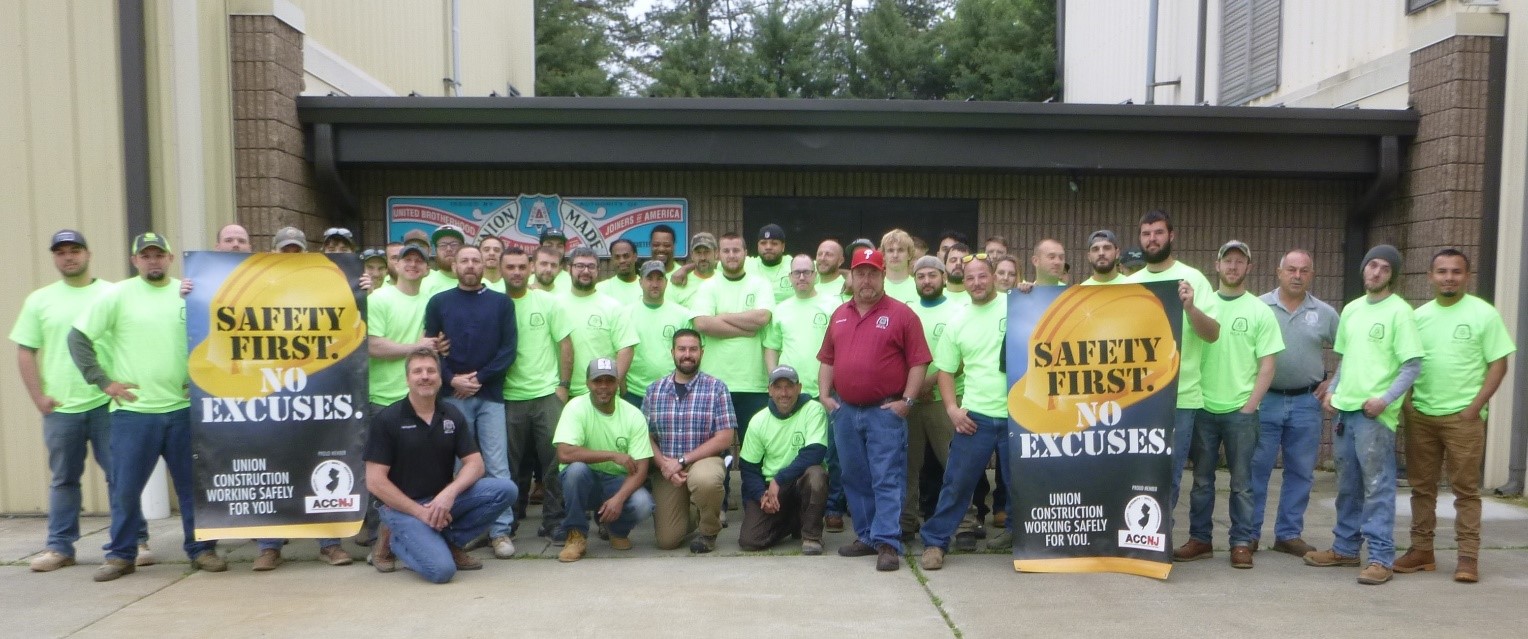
771, 262
930, 296
687, 367
1159, 256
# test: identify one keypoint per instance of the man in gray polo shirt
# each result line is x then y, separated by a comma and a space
1291, 411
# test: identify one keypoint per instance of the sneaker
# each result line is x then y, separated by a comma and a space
574, 548
1241, 556
267, 560
965, 542
1295, 546
1194, 550
1329, 558
114, 568
1001, 541
335, 555
811, 547
886, 559
503, 547
382, 557
51, 560
702, 544
209, 561
1415, 560
856, 549
834, 523
620, 543
145, 556
463, 560
1374, 575
1468, 570
933, 558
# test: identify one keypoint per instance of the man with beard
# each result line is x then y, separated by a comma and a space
131, 344
555, 243
374, 268
1381, 358
955, 273
233, 239
1466, 345
623, 286
949, 239
691, 422
972, 346
601, 326
1199, 329
394, 250
604, 448
548, 273
339, 240
480, 325
831, 282
447, 240
535, 388
784, 485
682, 287
1103, 253
74, 413
656, 320
928, 425
1236, 372
770, 264
493, 255
733, 311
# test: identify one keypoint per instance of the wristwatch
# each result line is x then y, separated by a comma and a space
910, 400
683, 463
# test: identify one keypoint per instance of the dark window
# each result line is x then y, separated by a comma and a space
1413, 6
1249, 49
810, 220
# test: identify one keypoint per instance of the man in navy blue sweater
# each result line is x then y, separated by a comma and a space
479, 325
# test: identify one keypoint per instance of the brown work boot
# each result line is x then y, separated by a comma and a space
1329, 558
1241, 556
856, 549
886, 559
382, 557
1192, 550
834, 523
1295, 546
463, 560
268, 559
335, 555
1415, 560
1374, 575
574, 547
933, 558
1467, 572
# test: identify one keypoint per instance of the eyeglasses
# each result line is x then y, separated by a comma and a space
448, 244
584, 266
974, 256
802, 273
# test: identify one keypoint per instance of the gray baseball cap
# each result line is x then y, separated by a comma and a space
784, 372
1234, 245
703, 240
1105, 235
651, 266
601, 367
289, 236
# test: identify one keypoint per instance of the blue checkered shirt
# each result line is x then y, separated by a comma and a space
683, 424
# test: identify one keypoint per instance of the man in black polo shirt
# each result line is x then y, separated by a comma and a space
412, 450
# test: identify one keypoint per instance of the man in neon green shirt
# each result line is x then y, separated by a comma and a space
600, 324
74, 413
624, 286
604, 448
1237, 368
784, 485
556, 243
771, 264
795, 330
1466, 347
1103, 256
137, 329
655, 320
732, 311
928, 425
1049, 260
830, 275
1381, 358
492, 249
955, 273
682, 287
897, 246
447, 240
548, 276
1199, 329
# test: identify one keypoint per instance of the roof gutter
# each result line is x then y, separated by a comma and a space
1355, 240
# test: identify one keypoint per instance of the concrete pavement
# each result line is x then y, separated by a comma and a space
646, 592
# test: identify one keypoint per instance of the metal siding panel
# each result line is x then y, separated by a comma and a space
1263, 58
1235, 48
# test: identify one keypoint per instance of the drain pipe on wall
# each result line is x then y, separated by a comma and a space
1203, 37
1517, 463
1355, 241
454, 83
1151, 53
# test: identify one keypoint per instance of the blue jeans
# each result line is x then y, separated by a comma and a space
872, 449
138, 440
486, 417
1183, 444
835, 505
1238, 432
1291, 424
584, 489
66, 435
1365, 488
276, 544
424, 549
967, 463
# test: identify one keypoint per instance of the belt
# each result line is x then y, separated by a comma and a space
876, 404
1294, 392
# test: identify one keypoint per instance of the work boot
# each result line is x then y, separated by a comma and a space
573, 547
886, 559
209, 561
1241, 556
1468, 570
1415, 560
50, 561
703, 544
145, 556
1329, 558
382, 557
267, 560
933, 558
335, 555
1194, 550
834, 523
503, 547
811, 547
114, 568
1295, 546
463, 560
1374, 575
620, 543
965, 542
1001, 541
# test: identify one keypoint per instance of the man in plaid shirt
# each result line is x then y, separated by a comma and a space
691, 421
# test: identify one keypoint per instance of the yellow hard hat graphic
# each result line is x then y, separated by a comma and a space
1094, 344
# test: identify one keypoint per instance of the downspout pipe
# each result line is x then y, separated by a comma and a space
132, 62
456, 47
1203, 38
1517, 462
1151, 53
1355, 240
1061, 50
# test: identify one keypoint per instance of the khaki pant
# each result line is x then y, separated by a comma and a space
927, 424
1428, 441
801, 507
678, 509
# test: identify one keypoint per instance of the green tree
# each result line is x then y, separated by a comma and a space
790, 53
1002, 50
899, 53
580, 47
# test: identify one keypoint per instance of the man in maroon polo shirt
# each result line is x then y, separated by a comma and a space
873, 360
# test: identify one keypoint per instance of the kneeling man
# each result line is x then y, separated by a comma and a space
604, 448
785, 487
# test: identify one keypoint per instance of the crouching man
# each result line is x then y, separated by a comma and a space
412, 451
785, 487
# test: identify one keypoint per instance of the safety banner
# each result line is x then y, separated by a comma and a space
1093, 385
278, 386
594, 222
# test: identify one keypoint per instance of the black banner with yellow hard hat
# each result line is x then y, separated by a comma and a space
1092, 395
278, 386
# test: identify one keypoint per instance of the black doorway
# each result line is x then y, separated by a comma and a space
810, 220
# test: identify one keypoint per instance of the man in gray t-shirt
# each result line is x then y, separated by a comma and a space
1291, 411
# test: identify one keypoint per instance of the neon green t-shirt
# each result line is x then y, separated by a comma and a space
833, 289
936, 320
778, 276
1118, 279
623, 431
1459, 341
737, 361
561, 285
540, 323
906, 291
959, 297
140, 330
1248, 332
795, 329
974, 339
1190, 394
773, 443
1374, 340
682, 295
46, 318
599, 329
627, 293
654, 355
435, 282
398, 317
498, 286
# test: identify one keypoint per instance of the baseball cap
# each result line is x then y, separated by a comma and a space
341, 233
373, 254
150, 239
447, 229
416, 235
651, 266
1133, 258
289, 236
703, 240
1103, 234
772, 232
67, 236
928, 261
550, 233
414, 248
1236, 245
868, 257
784, 372
859, 243
601, 367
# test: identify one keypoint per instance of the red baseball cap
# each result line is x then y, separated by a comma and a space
868, 257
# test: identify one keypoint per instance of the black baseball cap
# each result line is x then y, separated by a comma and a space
772, 232
67, 236
551, 233
150, 240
